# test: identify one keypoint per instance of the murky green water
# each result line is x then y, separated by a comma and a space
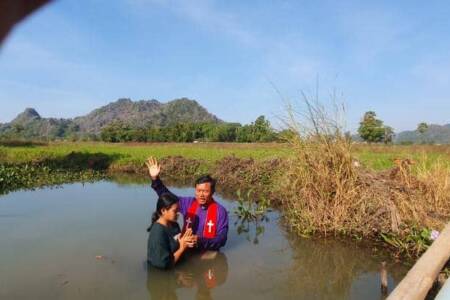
50, 239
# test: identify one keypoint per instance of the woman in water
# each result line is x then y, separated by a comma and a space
166, 245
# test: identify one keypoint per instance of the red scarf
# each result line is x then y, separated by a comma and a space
210, 227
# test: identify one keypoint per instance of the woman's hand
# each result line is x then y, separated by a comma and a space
187, 240
185, 278
153, 167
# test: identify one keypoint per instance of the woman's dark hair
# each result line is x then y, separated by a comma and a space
165, 200
205, 179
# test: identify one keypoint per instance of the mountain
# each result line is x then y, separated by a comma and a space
28, 115
29, 124
439, 134
145, 113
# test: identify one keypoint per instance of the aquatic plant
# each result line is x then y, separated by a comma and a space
13, 177
251, 214
250, 209
413, 243
252, 228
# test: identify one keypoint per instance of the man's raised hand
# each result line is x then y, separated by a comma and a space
153, 167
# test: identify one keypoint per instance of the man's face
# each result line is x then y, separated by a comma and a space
203, 193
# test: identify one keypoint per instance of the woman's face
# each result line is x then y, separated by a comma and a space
171, 213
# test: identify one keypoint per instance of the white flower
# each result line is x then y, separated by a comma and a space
434, 235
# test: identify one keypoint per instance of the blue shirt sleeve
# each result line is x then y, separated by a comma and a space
159, 187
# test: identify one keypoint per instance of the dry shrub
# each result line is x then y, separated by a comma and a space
436, 187
180, 167
421, 193
173, 167
433, 185
233, 173
320, 187
324, 189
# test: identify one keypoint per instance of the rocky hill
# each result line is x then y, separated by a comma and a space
438, 134
145, 113
29, 124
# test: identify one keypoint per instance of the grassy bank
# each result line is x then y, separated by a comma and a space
135, 153
27, 165
374, 157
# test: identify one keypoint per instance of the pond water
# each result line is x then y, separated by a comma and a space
88, 241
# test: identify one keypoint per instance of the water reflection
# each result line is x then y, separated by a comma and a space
338, 270
197, 272
252, 229
73, 225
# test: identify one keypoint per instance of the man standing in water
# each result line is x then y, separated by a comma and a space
207, 218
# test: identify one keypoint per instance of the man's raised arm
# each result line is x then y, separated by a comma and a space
159, 187
153, 170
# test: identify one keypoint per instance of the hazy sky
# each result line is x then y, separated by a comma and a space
392, 57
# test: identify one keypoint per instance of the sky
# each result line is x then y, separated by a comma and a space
238, 59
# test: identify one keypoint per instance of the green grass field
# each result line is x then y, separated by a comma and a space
381, 157
377, 157
135, 153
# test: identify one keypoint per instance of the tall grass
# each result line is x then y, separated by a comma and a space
324, 189
319, 188
432, 186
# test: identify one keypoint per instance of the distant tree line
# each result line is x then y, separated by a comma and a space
258, 131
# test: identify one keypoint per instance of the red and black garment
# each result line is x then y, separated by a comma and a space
210, 224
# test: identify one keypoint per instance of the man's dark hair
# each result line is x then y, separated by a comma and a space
205, 179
